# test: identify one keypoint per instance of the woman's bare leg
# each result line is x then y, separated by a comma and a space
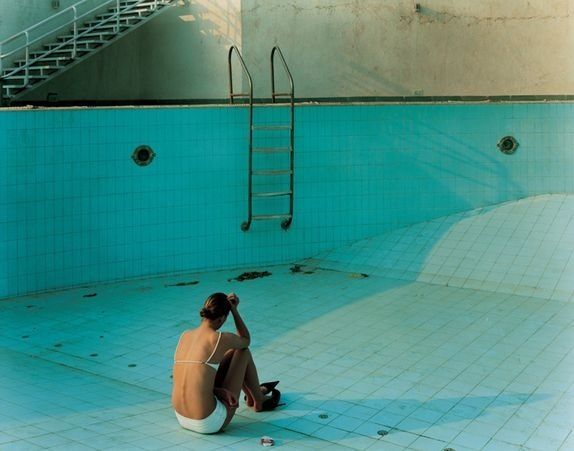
242, 373
224, 369
251, 383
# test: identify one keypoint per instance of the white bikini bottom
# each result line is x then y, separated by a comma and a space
209, 425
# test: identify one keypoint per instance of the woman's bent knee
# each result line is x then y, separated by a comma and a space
244, 353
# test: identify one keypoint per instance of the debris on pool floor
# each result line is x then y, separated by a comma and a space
183, 284
250, 275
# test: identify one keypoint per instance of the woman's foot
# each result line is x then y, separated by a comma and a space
266, 388
268, 402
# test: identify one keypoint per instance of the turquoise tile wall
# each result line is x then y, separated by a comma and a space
75, 209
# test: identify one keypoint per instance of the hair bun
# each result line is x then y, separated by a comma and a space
215, 306
204, 313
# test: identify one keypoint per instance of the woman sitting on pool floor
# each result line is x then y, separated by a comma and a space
211, 367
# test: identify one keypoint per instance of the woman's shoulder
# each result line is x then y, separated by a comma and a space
200, 335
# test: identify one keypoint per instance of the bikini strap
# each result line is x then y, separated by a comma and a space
214, 349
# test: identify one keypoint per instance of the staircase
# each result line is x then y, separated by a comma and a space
271, 151
54, 45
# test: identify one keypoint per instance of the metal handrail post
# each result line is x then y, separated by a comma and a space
117, 16
74, 48
1, 91
27, 70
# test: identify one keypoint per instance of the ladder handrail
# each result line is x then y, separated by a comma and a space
245, 225
274, 94
287, 71
245, 71
73, 8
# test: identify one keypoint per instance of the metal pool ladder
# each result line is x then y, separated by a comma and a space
286, 218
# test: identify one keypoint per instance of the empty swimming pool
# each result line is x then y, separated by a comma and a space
422, 298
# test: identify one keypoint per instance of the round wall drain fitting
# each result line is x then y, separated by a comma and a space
507, 145
143, 155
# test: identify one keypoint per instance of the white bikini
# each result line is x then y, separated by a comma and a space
214, 421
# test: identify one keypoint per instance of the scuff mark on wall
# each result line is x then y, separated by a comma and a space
428, 16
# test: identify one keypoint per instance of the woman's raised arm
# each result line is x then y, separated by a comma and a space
242, 330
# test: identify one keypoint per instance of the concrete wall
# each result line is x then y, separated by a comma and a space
383, 48
339, 48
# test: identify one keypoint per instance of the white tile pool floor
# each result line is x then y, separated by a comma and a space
397, 360
430, 366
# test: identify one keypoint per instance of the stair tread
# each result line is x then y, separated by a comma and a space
18, 77
15, 70
112, 23
47, 58
91, 33
79, 41
51, 52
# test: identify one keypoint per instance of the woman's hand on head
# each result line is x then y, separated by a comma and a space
233, 300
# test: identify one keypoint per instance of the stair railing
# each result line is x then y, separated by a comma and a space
76, 17
232, 95
26, 34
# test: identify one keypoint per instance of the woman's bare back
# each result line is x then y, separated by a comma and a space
193, 383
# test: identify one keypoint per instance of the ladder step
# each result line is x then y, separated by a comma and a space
273, 194
266, 217
272, 172
271, 149
271, 127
